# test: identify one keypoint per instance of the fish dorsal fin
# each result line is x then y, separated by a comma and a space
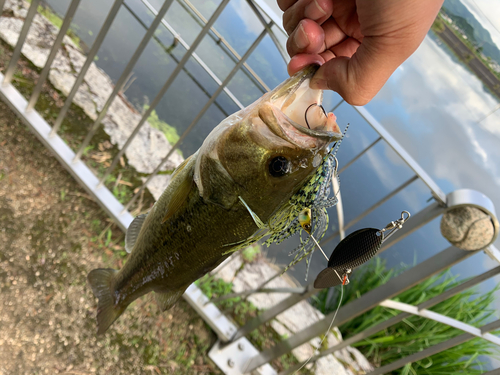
215, 183
166, 300
133, 232
179, 188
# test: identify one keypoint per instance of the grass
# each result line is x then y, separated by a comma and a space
169, 131
415, 334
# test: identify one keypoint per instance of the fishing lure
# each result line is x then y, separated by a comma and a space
354, 250
314, 197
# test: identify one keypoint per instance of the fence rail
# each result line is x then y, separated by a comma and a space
232, 337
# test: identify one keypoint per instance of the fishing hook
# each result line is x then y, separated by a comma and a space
314, 104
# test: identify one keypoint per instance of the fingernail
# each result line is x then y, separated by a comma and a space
313, 11
300, 38
318, 84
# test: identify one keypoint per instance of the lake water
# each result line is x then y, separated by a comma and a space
433, 105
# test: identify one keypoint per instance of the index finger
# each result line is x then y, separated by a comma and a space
285, 4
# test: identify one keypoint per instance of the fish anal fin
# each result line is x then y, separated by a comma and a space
133, 232
166, 300
107, 312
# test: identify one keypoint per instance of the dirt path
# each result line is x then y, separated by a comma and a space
51, 235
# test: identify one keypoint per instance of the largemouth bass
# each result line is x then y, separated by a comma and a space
221, 198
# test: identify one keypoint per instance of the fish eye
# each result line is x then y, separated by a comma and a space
279, 166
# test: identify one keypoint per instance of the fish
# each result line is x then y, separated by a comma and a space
222, 198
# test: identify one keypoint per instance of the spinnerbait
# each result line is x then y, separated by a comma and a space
354, 250
313, 197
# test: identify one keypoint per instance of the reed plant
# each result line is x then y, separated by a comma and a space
415, 334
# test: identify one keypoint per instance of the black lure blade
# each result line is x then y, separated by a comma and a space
354, 250
326, 279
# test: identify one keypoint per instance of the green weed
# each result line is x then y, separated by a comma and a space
415, 334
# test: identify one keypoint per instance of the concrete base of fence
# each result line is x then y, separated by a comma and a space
248, 276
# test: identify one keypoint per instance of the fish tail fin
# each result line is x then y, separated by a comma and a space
107, 312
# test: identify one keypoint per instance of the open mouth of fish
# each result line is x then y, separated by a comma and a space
298, 114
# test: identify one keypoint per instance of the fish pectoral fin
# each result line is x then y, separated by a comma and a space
133, 232
166, 300
260, 224
215, 183
107, 312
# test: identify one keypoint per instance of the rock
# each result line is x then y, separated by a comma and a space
158, 184
467, 228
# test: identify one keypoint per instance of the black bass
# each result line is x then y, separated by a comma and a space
222, 197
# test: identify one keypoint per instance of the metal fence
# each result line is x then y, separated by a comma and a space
234, 354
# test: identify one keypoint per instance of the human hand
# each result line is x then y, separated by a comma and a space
359, 43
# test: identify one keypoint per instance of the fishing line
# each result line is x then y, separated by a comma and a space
328, 330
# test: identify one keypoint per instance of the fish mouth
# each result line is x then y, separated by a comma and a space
294, 112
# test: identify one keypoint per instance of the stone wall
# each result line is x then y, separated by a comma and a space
150, 145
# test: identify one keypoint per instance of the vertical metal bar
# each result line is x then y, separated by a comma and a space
432, 350
403, 154
360, 154
195, 56
124, 76
416, 222
273, 312
367, 301
200, 114
234, 55
83, 175
53, 52
371, 209
420, 219
169, 50
9, 73
218, 91
493, 253
90, 58
351, 340
398, 318
269, 29
165, 87
337, 105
